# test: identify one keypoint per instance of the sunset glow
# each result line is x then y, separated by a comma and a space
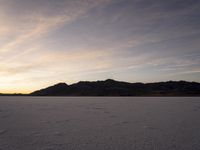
43, 42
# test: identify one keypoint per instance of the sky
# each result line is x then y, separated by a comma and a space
43, 42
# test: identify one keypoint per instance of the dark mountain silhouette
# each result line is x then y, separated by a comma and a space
117, 88
56, 90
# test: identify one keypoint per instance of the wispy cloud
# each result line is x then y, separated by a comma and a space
44, 42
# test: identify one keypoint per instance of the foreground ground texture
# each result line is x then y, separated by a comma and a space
64, 123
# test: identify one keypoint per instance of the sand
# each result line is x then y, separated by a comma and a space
64, 123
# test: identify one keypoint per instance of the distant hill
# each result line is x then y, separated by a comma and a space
15, 94
116, 88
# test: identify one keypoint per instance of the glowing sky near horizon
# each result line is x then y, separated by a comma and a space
43, 42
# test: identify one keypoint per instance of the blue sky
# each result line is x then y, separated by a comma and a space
43, 42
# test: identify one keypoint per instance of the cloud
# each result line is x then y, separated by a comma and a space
37, 25
45, 41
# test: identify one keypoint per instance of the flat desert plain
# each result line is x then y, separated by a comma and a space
99, 123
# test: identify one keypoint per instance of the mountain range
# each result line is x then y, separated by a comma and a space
111, 87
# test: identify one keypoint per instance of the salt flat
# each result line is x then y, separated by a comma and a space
66, 123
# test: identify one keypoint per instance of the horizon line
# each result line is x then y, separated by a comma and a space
27, 93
